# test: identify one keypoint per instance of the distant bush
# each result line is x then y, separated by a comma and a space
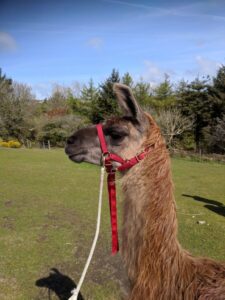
57, 129
14, 144
4, 144
11, 144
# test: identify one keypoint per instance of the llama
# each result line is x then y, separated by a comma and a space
157, 266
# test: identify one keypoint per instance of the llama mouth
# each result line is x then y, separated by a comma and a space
77, 157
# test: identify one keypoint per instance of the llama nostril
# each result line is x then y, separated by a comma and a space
70, 140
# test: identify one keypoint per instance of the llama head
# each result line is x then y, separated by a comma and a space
124, 136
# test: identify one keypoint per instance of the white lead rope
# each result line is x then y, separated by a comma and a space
76, 291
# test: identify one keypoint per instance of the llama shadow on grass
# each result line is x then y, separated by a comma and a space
59, 283
212, 205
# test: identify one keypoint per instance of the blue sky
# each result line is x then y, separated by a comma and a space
43, 42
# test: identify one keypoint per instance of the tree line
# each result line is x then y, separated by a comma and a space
191, 114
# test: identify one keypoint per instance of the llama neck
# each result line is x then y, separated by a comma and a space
149, 221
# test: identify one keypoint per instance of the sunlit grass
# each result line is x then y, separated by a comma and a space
48, 208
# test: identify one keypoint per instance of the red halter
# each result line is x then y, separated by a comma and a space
108, 158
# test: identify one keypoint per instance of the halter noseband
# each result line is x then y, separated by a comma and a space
108, 158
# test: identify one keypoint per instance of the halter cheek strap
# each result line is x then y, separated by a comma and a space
108, 158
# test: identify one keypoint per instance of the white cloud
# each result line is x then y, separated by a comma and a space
42, 89
95, 42
153, 73
203, 67
207, 66
7, 42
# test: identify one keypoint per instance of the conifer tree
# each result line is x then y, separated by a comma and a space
105, 104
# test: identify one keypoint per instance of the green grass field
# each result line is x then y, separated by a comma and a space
48, 208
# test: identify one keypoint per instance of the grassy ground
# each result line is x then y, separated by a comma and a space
48, 208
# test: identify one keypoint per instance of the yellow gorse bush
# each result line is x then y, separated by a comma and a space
11, 144
4, 144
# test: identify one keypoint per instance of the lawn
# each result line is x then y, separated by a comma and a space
48, 208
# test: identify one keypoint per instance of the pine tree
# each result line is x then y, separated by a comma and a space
219, 80
217, 94
105, 104
142, 92
127, 80
6, 106
195, 102
164, 96
164, 90
214, 132
5, 87
89, 92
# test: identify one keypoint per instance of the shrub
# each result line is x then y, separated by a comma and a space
14, 144
11, 144
4, 144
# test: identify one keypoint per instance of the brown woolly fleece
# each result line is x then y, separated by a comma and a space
158, 267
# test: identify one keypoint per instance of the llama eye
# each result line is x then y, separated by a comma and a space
116, 136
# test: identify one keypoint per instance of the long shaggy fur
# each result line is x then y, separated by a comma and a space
158, 268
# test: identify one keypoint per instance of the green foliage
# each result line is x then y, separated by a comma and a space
219, 80
105, 105
142, 92
127, 80
164, 90
194, 102
163, 96
78, 107
89, 93
16, 102
23, 117
187, 141
83, 105
5, 95
57, 129
217, 96
5, 86
216, 136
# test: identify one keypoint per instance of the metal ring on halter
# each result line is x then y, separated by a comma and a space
103, 158
137, 158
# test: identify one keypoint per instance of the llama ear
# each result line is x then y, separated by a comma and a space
127, 101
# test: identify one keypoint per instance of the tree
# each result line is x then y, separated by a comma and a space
164, 90
105, 105
82, 105
128, 80
172, 124
57, 129
219, 80
5, 87
217, 95
58, 98
214, 134
89, 92
163, 95
217, 136
5, 95
15, 109
142, 92
194, 102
